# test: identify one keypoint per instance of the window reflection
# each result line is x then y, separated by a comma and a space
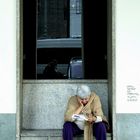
58, 19
52, 19
52, 30
58, 35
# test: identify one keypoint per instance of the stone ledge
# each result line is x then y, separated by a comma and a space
66, 81
46, 133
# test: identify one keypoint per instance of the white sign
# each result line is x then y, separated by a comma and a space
128, 56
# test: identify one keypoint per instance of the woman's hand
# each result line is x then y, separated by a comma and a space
91, 118
79, 109
80, 101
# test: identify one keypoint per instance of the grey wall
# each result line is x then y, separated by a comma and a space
128, 126
7, 126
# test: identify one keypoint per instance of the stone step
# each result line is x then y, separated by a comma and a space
48, 135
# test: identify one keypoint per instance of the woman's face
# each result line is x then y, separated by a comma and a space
85, 100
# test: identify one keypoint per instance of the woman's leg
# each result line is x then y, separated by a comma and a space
70, 129
99, 131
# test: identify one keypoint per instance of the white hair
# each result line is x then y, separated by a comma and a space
83, 91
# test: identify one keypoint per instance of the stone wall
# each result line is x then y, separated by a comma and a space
44, 103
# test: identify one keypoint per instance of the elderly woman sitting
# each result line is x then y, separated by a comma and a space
84, 115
